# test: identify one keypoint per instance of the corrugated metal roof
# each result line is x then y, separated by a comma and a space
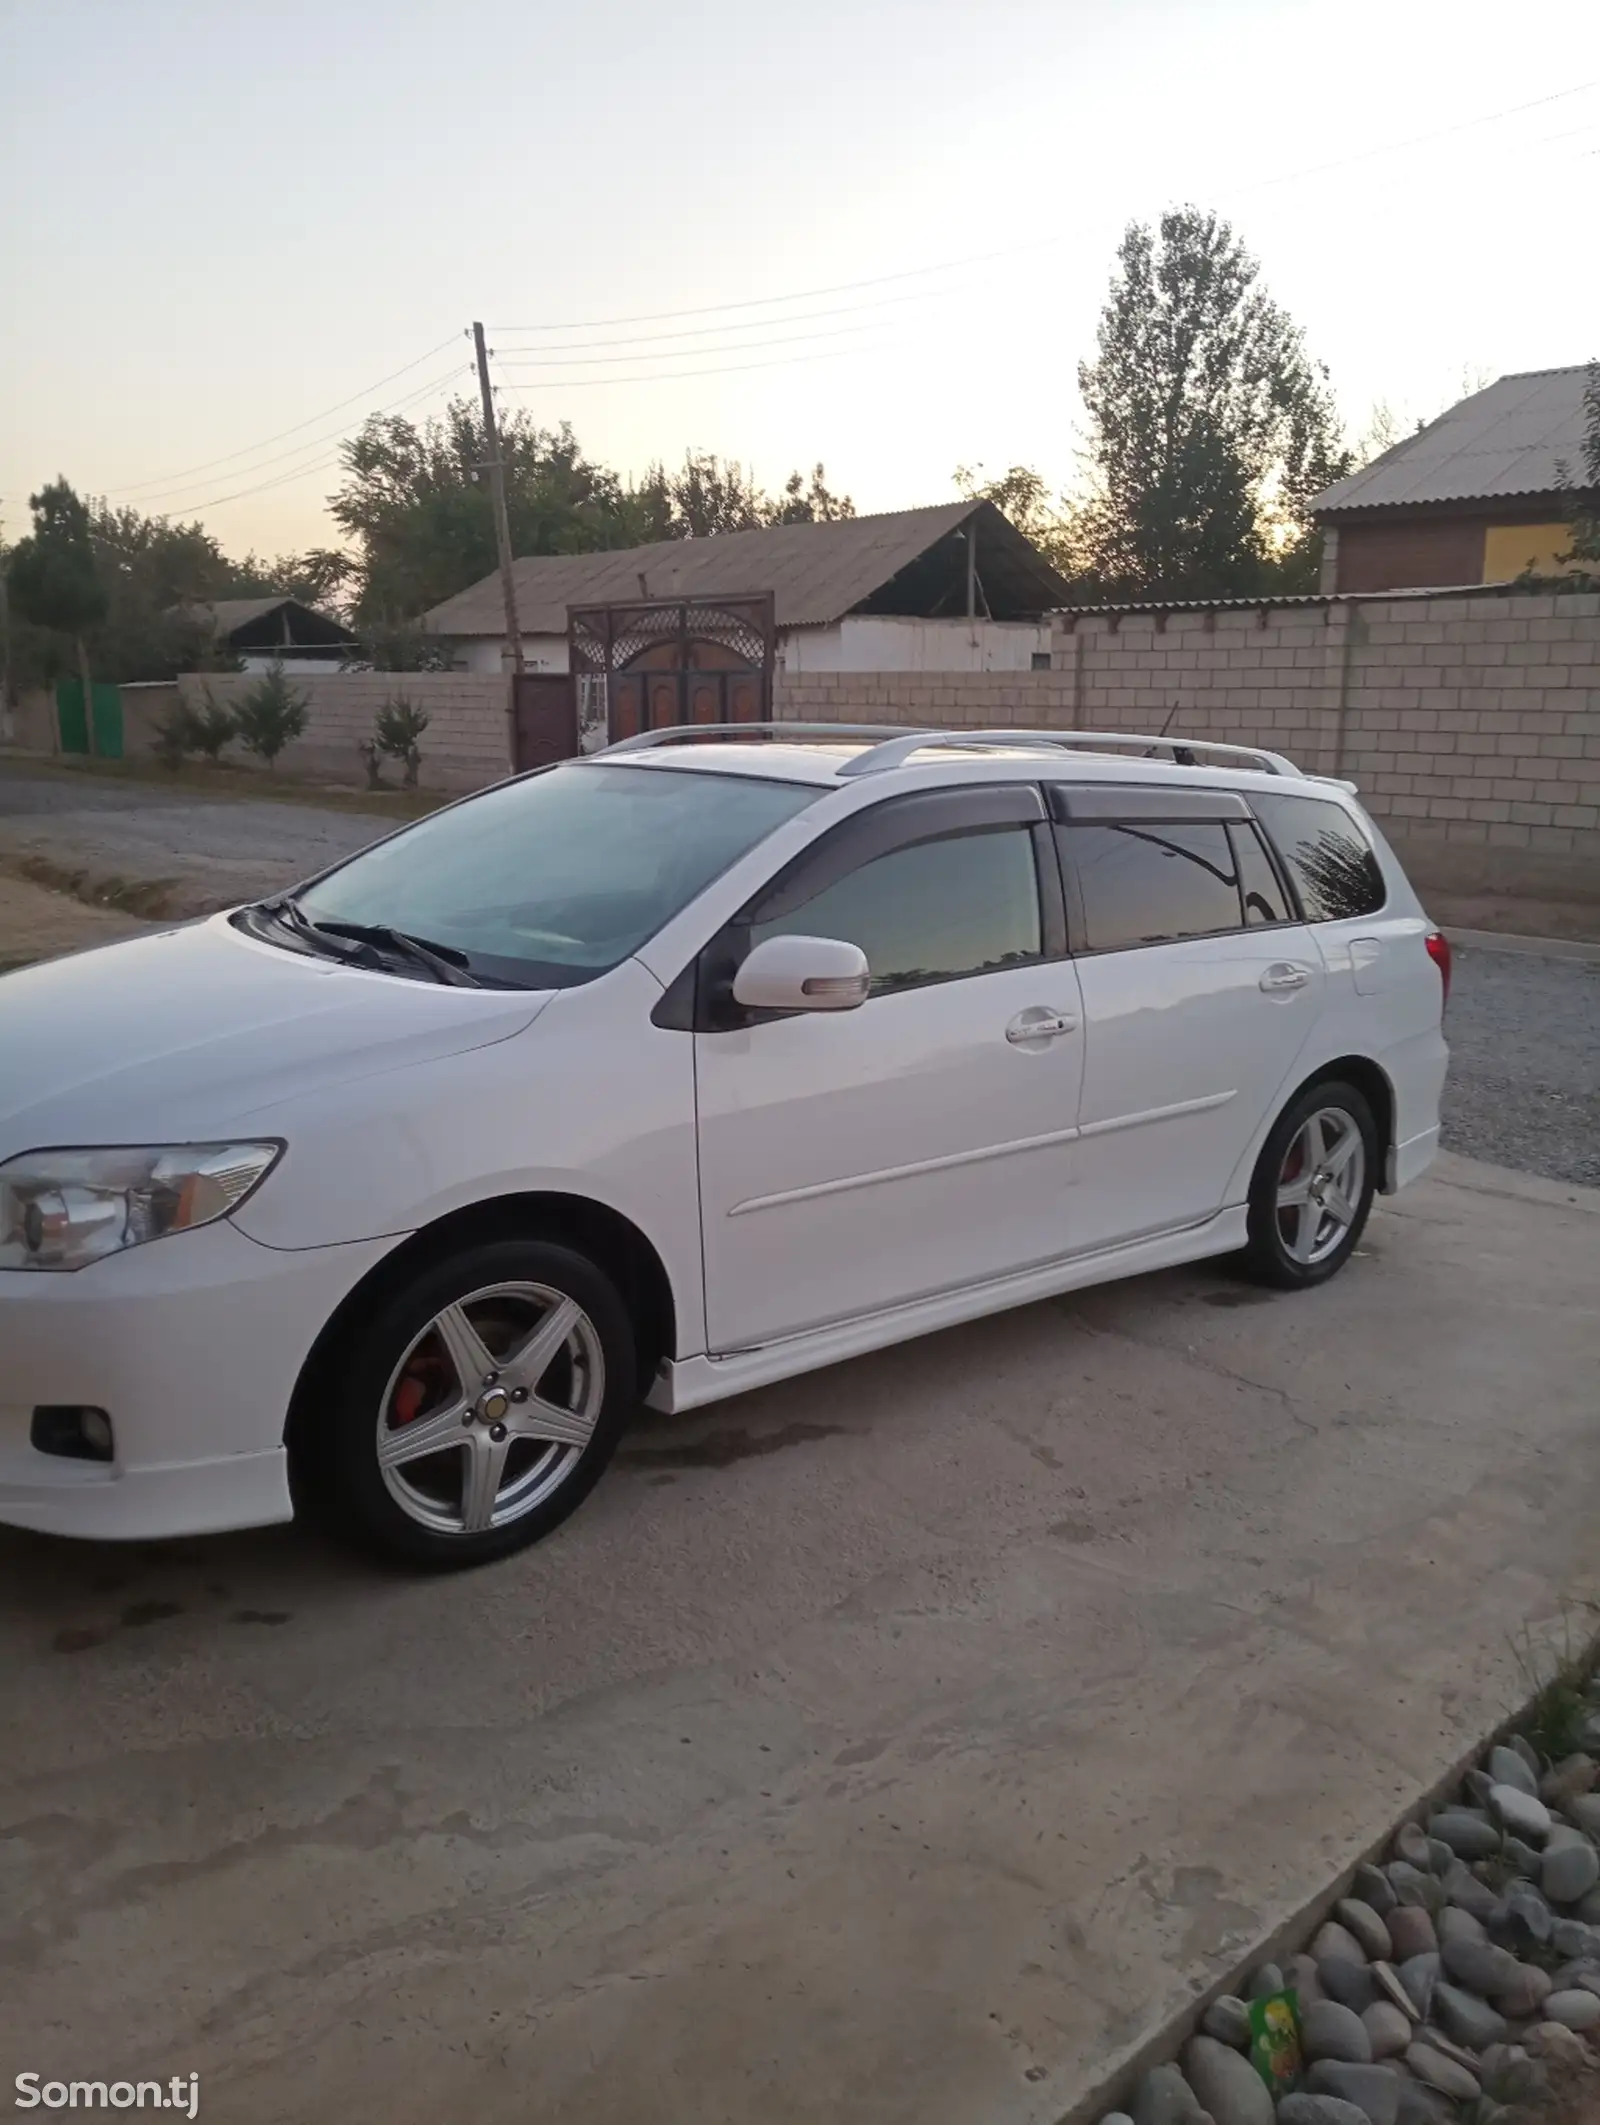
816, 572
1295, 598
225, 616
1511, 439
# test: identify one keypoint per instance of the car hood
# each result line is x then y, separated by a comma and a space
196, 1032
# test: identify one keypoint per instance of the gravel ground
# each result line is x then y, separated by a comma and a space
1524, 1084
206, 853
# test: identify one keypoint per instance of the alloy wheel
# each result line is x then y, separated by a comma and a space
1320, 1185
490, 1408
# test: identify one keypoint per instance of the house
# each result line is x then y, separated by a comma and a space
1477, 496
274, 630
952, 588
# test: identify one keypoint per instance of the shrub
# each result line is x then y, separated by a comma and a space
270, 714
211, 728
372, 758
398, 726
174, 738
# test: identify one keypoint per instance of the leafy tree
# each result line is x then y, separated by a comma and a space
712, 495
1021, 494
1584, 506
319, 577
270, 714
212, 728
417, 505
813, 503
1211, 427
53, 579
399, 724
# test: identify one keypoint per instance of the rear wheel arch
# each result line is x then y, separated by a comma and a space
1372, 1081
613, 1242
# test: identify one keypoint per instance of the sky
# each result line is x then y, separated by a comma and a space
875, 232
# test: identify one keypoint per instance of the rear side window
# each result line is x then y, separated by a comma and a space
1153, 884
1334, 866
963, 904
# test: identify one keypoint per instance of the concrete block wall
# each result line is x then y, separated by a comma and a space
1471, 724
465, 745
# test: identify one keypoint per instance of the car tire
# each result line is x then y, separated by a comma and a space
480, 1482
1313, 1187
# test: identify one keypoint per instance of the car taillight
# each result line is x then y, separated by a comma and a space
1439, 953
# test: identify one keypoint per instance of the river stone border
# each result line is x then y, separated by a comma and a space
1439, 1979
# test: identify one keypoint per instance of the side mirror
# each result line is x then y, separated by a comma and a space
803, 974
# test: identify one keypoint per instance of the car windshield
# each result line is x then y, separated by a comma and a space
548, 881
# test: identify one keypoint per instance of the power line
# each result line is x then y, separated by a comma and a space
298, 472
846, 287
169, 481
173, 498
598, 361
672, 376
800, 317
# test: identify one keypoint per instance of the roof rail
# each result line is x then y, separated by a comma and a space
891, 745
693, 733
894, 751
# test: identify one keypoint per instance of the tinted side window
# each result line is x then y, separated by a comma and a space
1152, 884
1264, 899
961, 905
1331, 861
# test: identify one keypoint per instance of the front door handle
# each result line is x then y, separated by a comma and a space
1279, 980
1038, 1023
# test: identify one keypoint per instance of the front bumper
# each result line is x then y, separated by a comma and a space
193, 1346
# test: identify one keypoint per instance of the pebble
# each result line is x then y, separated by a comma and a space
1523, 1814
1442, 2073
1412, 1931
1571, 1776
1526, 1915
1553, 2041
1523, 1998
1508, 1767
1265, 1980
1228, 2020
1307, 2109
1164, 2097
1372, 1885
1588, 1909
1411, 1845
1335, 1943
1439, 1855
1116, 2117
1467, 2019
1227, 2084
1479, 1965
1352, 1985
1330, 2031
1509, 2071
1479, 1785
1306, 1980
1464, 1888
1525, 1750
1571, 1938
1421, 2105
1369, 1929
1373, 2089
1457, 1925
1414, 1889
1573, 2010
1583, 1809
1388, 2030
1584, 1974
1524, 1858
1390, 1988
1419, 1975
1468, 1833
1570, 1870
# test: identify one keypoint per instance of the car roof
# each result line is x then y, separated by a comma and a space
820, 763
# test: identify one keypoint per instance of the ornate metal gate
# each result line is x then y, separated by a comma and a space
677, 660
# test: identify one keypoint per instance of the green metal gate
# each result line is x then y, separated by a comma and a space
107, 718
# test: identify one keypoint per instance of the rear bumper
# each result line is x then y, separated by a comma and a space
193, 1346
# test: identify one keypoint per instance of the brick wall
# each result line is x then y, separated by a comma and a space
464, 746
1471, 724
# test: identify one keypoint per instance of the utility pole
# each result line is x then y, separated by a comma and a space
502, 535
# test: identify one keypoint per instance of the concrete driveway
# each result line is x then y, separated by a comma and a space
895, 1745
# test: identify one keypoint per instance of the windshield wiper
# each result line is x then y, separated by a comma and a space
443, 962
353, 941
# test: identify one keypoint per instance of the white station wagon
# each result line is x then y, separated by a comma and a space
666, 1073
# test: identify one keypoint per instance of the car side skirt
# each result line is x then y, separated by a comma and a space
687, 1383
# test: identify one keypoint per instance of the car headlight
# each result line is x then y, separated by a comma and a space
65, 1209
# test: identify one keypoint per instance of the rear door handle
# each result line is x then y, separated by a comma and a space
1038, 1022
1278, 980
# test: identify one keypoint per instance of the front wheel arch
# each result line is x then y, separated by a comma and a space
614, 1243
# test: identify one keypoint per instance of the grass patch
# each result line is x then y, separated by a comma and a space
1557, 1678
148, 898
